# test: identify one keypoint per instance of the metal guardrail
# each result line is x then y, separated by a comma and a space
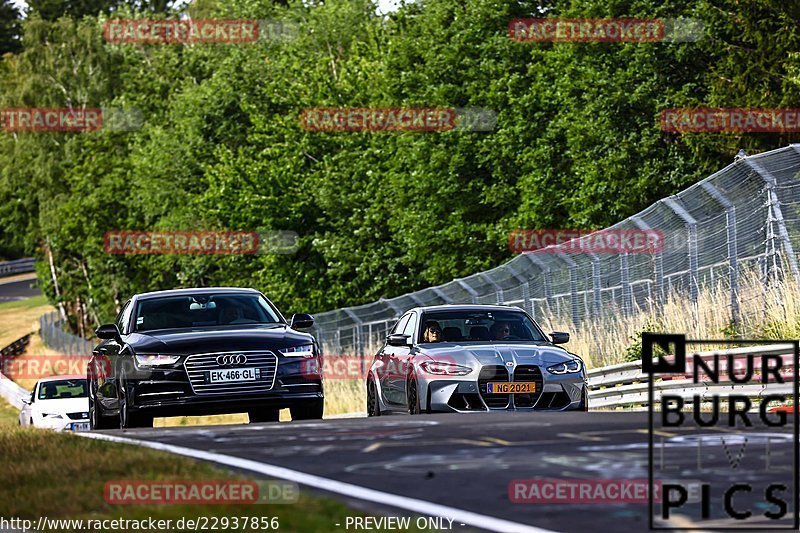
19, 266
16, 347
9, 390
625, 385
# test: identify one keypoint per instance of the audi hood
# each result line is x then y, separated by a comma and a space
206, 340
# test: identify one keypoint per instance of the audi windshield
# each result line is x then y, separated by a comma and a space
176, 312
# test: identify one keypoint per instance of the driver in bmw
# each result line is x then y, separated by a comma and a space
500, 331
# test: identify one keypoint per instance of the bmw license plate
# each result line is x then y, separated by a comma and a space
519, 387
79, 426
234, 374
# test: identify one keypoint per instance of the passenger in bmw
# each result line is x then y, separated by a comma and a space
433, 332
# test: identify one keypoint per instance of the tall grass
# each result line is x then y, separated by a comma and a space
765, 313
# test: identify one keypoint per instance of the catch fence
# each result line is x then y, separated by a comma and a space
744, 218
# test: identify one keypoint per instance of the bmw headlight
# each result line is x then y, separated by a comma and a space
156, 359
444, 369
307, 350
570, 367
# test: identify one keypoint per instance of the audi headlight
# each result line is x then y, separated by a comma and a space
444, 369
570, 367
156, 359
306, 350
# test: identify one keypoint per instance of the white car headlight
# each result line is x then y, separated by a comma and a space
156, 359
51, 415
444, 369
306, 350
569, 367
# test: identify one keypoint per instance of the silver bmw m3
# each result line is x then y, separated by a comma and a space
462, 358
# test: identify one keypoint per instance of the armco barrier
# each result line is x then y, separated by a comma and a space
20, 266
626, 386
16, 347
10, 391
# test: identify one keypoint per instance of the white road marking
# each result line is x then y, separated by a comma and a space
330, 485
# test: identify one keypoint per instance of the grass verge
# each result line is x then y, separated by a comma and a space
21, 317
60, 475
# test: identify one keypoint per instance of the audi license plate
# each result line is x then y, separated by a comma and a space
519, 387
234, 374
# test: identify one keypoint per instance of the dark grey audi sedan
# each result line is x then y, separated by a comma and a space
201, 352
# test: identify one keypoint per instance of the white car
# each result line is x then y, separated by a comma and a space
58, 402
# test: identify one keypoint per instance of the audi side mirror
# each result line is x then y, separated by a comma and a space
302, 321
107, 331
398, 339
559, 337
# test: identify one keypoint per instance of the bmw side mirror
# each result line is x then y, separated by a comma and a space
559, 337
398, 339
302, 321
107, 331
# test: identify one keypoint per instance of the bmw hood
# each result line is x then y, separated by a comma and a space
481, 354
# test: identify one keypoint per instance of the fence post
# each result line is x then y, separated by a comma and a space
466, 286
774, 205
573, 286
691, 231
523, 284
625, 279
733, 252
497, 288
658, 263
357, 329
597, 299
545, 270
440, 293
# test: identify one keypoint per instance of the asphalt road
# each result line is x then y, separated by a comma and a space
18, 290
468, 461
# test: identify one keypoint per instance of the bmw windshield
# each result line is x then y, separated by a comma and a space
203, 310
479, 326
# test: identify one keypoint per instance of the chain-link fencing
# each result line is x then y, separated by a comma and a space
746, 217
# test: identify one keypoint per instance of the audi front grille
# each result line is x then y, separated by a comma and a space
197, 367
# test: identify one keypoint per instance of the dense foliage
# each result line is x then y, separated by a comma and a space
577, 141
